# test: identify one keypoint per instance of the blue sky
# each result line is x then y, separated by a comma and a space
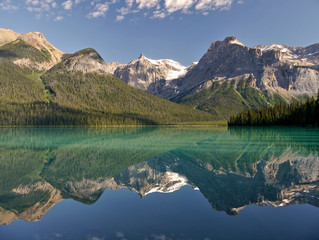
178, 29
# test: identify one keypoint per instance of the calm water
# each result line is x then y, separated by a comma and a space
159, 183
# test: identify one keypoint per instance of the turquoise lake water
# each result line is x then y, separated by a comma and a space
159, 183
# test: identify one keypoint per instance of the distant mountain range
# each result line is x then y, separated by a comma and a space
228, 79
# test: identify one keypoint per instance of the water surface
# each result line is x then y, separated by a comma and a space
159, 183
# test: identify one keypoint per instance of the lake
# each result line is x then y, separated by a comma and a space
159, 183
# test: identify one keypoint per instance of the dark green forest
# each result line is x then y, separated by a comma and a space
295, 114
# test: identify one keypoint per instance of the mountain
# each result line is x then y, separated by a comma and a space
21, 65
150, 75
230, 77
20, 48
7, 35
84, 86
38, 79
40, 85
88, 61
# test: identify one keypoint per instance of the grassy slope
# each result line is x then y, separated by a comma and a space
226, 98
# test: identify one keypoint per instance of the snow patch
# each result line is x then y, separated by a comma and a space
175, 69
177, 180
275, 47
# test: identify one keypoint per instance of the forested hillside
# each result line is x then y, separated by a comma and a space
31, 95
301, 114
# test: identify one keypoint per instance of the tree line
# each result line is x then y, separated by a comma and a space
296, 113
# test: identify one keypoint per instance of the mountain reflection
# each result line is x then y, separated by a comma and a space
231, 168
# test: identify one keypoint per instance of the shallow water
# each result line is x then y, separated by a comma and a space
159, 183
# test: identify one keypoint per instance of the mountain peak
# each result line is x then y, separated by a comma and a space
141, 56
88, 60
7, 35
232, 40
38, 41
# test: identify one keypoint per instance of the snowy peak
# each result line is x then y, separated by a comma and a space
174, 69
276, 47
141, 56
171, 182
296, 56
146, 178
149, 74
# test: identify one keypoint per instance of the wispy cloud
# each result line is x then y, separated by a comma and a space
7, 5
57, 10
164, 8
119, 18
100, 10
58, 18
206, 5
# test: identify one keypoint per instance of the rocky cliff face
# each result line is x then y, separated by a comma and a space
38, 41
88, 60
150, 75
287, 71
279, 70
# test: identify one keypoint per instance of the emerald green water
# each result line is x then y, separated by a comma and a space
159, 183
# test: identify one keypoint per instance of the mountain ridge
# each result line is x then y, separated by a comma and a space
282, 74
40, 86
216, 84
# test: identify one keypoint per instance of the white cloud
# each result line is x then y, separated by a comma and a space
67, 5
176, 5
159, 14
7, 5
58, 18
147, 3
205, 5
39, 6
129, 3
119, 18
100, 10
156, 9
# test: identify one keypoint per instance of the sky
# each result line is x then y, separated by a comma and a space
176, 29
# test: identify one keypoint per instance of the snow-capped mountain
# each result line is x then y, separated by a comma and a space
150, 75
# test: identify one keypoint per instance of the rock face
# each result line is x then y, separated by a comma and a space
150, 75
39, 41
88, 60
279, 69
